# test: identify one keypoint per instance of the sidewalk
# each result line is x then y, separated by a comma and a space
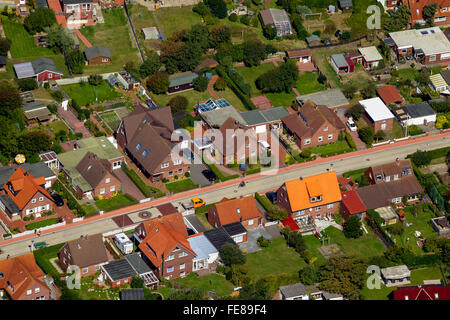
75, 124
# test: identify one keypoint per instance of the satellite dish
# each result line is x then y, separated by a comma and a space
20, 158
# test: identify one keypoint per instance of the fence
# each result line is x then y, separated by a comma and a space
43, 228
114, 232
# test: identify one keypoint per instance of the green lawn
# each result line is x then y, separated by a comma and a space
116, 35
281, 99
331, 149
89, 210
307, 83
211, 282
111, 119
57, 126
397, 131
41, 224
275, 259
201, 214
181, 185
120, 201
148, 191
355, 174
176, 19
420, 223
252, 73
86, 94
142, 18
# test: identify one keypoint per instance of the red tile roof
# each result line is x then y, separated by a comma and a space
289, 222
416, 8
390, 94
227, 210
352, 202
425, 292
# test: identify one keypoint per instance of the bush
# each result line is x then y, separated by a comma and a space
231, 255
27, 84
349, 139
233, 17
421, 158
352, 227
366, 134
200, 83
220, 84
178, 104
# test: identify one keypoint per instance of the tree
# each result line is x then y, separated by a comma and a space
421, 158
5, 45
429, 11
254, 291
27, 84
301, 10
423, 77
220, 84
279, 79
245, 20
308, 275
95, 79
270, 32
201, 9
298, 27
200, 83
231, 254
233, 17
34, 142
218, 8
369, 91
151, 64
38, 20
366, 134
137, 282
349, 91
178, 104
158, 83
10, 99
294, 239
220, 34
75, 59
59, 38
254, 52
277, 213
198, 35
345, 35
352, 227
379, 135
398, 19
355, 112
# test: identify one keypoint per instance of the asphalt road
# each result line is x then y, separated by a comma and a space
265, 183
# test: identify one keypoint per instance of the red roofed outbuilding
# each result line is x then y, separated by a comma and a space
425, 292
390, 95
352, 205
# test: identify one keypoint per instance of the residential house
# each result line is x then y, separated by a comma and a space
263, 121
36, 111
219, 237
182, 82
318, 294
215, 115
277, 18
86, 252
332, 98
438, 83
90, 167
120, 272
342, 64
441, 226
345, 5
78, 12
390, 95
98, 55
427, 46
310, 198
370, 57
38, 169
389, 4
422, 292
22, 279
205, 253
389, 172
313, 125
377, 115
294, 292
441, 17
394, 276
164, 245
352, 205
42, 69
24, 195
146, 137
242, 210
302, 55
420, 113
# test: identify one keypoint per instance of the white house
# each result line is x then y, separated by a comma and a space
294, 292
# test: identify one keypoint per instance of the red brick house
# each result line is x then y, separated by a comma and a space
441, 17
422, 292
377, 114
242, 210
164, 246
100, 176
86, 252
391, 171
146, 137
313, 125
24, 195
22, 279
310, 198
352, 205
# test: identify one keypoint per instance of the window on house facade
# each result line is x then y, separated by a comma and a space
388, 178
330, 136
102, 190
182, 254
112, 188
307, 141
318, 208
325, 128
182, 274
395, 176
250, 222
29, 292
182, 266
432, 58
37, 290
170, 269
164, 165
320, 139
177, 162
33, 201
329, 206
170, 257
180, 171
108, 180
170, 173
85, 270
41, 198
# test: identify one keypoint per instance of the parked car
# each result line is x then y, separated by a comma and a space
351, 124
40, 245
272, 196
58, 199
209, 175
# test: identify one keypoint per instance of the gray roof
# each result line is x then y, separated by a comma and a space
446, 75
65, 2
279, 15
201, 246
294, 290
215, 118
339, 60
331, 98
43, 64
421, 109
345, 3
255, 117
137, 263
181, 79
312, 38
38, 169
150, 32
97, 51
397, 272
119, 269
31, 106
235, 228
41, 4
9, 203
132, 294
24, 70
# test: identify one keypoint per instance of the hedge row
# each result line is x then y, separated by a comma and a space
349, 139
244, 98
239, 80
148, 191
43, 256
72, 203
263, 201
219, 173
374, 221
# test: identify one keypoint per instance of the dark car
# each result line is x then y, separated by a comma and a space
337, 33
58, 199
209, 175
272, 196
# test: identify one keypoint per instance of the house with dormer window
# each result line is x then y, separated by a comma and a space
310, 198
389, 172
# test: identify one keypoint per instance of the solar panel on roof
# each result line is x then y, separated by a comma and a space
212, 105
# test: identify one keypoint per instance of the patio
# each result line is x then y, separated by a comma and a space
252, 236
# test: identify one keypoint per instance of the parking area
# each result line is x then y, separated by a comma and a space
252, 236
196, 175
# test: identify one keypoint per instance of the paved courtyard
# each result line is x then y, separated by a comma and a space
252, 236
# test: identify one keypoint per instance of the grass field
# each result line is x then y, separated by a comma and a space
211, 282
181, 185
275, 259
307, 83
120, 201
41, 224
252, 73
176, 19
111, 119
57, 126
142, 18
330, 149
86, 94
116, 35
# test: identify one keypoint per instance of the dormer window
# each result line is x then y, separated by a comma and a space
313, 199
238, 211
395, 176
379, 177
388, 178
325, 128
319, 198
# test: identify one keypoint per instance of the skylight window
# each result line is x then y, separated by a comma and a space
89, 168
145, 153
139, 146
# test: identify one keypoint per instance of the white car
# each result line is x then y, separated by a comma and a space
351, 124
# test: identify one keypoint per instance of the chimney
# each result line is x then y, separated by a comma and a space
301, 178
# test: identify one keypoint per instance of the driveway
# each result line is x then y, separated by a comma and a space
252, 236
192, 221
197, 176
128, 186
